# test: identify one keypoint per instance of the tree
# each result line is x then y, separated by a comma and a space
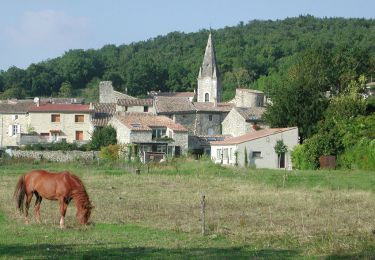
103, 136
65, 90
300, 100
280, 148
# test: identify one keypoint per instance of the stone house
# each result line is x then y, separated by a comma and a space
242, 120
56, 122
259, 147
14, 121
151, 133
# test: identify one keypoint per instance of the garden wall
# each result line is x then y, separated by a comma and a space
55, 156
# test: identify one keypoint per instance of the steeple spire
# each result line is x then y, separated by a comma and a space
209, 66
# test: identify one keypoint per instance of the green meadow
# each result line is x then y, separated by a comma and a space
250, 213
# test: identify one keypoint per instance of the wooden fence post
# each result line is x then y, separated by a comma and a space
203, 215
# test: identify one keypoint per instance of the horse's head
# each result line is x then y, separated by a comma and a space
85, 213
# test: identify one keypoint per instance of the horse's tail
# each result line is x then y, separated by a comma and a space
20, 192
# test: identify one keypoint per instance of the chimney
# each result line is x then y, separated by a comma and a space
215, 103
91, 106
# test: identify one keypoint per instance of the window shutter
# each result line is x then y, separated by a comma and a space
10, 130
18, 129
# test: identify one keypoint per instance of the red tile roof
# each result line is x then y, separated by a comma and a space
61, 108
252, 136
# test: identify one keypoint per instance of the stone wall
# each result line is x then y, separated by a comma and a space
55, 156
248, 98
106, 93
181, 139
234, 124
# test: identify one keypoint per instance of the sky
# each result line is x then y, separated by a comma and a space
35, 30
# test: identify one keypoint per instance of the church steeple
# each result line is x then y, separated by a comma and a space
209, 85
209, 67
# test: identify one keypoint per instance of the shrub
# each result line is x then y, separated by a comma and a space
300, 159
110, 152
103, 136
360, 156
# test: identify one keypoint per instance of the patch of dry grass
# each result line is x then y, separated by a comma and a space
319, 221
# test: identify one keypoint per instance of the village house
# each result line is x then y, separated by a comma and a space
14, 121
151, 133
242, 120
57, 122
259, 147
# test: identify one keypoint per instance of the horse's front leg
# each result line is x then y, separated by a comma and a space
37, 207
29, 196
63, 207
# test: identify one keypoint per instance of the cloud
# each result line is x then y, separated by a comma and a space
50, 29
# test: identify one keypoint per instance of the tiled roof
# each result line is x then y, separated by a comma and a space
62, 100
119, 95
145, 122
173, 104
103, 113
61, 108
15, 107
251, 113
172, 94
135, 102
210, 107
252, 136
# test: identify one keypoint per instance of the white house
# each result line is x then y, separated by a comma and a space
152, 134
259, 146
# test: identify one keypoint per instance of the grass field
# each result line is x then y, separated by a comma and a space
250, 213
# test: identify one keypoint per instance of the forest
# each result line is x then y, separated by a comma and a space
314, 70
252, 54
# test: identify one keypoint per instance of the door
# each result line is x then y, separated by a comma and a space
177, 151
282, 160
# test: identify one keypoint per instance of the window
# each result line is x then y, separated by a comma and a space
79, 118
206, 97
145, 109
126, 108
210, 131
218, 153
79, 135
256, 155
209, 117
225, 153
158, 132
14, 129
55, 118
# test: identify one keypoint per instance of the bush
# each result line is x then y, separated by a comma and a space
110, 152
58, 146
301, 160
103, 136
360, 156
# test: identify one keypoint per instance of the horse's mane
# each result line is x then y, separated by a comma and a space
79, 193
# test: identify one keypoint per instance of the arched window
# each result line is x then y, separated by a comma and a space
206, 97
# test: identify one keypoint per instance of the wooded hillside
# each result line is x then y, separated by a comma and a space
250, 54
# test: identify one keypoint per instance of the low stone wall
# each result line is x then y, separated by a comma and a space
55, 156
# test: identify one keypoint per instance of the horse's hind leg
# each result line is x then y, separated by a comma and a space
37, 206
63, 207
29, 196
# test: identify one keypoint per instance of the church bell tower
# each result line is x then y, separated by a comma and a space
209, 84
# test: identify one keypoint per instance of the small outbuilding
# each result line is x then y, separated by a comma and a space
257, 149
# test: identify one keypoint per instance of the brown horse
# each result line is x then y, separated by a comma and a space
53, 186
